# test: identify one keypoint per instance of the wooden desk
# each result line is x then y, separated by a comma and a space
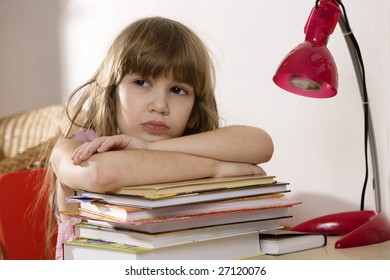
370, 252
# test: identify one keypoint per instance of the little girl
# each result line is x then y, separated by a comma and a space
149, 115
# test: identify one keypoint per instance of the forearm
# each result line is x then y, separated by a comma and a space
136, 167
232, 143
108, 171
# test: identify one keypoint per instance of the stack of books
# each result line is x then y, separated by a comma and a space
212, 218
284, 241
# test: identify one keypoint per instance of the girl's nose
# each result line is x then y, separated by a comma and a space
159, 103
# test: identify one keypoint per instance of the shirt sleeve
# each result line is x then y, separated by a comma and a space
87, 135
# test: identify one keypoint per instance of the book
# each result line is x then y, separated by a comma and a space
149, 240
281, 241
170, 200
130, 213
159, 225
232, 247
194, 186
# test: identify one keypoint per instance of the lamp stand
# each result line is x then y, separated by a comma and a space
371, 134
360, 227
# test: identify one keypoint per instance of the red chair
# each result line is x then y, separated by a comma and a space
22, 226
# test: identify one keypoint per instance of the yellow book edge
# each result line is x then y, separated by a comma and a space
190, 186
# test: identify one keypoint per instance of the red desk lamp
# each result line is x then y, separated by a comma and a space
309, 70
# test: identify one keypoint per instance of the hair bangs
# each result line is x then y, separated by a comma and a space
157, 65
164, 52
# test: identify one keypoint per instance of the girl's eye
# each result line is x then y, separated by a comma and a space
142, 83
178, 90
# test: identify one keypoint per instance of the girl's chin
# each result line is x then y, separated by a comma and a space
153, 137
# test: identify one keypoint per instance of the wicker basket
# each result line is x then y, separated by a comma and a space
23, 135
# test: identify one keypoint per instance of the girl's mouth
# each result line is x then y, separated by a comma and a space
155, 126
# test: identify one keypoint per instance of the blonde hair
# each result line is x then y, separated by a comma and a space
151, 47
154, 47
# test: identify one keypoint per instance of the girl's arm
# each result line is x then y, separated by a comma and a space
233, 143
103, 172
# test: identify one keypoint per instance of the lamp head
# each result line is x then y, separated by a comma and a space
309, 69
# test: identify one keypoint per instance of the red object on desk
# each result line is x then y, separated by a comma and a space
22, 227
360, 228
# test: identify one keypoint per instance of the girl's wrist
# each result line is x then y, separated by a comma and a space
159, 145
151, 146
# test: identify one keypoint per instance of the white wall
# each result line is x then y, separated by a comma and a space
29, 55
319, 143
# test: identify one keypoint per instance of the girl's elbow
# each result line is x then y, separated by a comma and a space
98, 179
266, 148
269, 151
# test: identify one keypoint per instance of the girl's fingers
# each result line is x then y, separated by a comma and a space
116, 142
100, 145
77, 153
85, 151
109, 144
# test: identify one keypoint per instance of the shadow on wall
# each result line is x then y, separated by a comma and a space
315, 205
29, 55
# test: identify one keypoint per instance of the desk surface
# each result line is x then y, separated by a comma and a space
328, 252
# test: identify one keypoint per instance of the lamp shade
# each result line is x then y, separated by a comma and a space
309, 69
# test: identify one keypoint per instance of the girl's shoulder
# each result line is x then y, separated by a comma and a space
87, 135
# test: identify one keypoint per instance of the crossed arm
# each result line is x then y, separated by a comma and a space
111, 162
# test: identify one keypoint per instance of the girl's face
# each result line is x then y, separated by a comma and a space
153, 108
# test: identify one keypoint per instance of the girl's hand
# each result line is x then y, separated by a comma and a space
106, 143
227, 169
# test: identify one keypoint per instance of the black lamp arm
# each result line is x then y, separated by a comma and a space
369, 129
